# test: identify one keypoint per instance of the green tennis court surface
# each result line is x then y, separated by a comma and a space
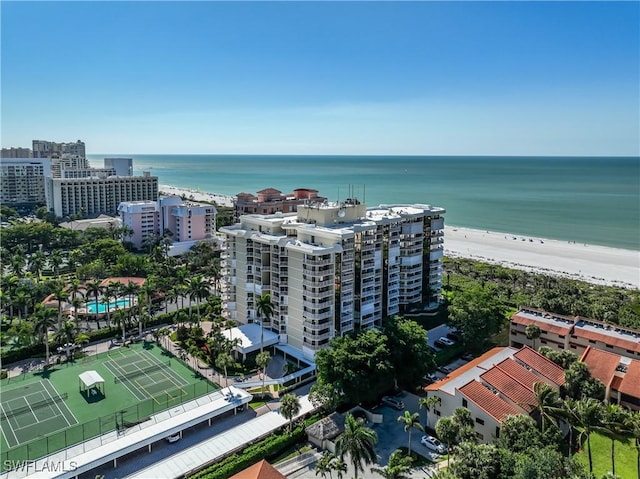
32, 411
47, 411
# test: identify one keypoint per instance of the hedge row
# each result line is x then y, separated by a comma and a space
268, 448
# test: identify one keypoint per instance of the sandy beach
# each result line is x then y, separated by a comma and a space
195, 195
591, 263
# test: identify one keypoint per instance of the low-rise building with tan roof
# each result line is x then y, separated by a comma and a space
619, 374
498, 383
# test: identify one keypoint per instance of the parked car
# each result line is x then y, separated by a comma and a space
72, 347
445, 369
393, 402
432, 443
430, 378
453, 335
174, 437
468, 356
446, 341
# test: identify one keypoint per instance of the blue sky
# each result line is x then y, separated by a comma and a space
432, 78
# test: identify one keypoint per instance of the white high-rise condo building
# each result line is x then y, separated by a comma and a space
332, 267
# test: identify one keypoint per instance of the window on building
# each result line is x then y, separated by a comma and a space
480, 421
464, 402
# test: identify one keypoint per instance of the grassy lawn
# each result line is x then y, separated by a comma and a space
601, 455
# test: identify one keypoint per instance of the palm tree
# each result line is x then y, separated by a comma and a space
130, 290
398, 466
264, 309
633, 423
45, 320
447, 431
323, 466
533, 332
289, 407
410, 422
94, 289
37, 262
55, 260
588, 419
358, 441
66, 335
428, 403
60, 295
262, 359
548, 404
616, 426
339, 466
198, 289
223, 361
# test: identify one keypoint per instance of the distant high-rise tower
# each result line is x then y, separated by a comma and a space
123, 166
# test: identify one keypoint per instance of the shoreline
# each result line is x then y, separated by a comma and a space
196, 195
586, 262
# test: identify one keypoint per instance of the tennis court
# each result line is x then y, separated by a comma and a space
33, 410
146, 376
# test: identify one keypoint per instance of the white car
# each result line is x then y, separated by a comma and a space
393, 402
446, 341
174, 437
432, 443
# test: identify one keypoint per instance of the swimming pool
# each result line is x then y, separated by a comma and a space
102, 308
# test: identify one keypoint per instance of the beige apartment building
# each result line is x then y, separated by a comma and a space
573, 334
23, 181
332, 267
497, 384
93, 195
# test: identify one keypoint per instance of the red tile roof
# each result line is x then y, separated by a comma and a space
491, 403
260, 470
542, 365
631, 344
544, 326
510, 388
602, 364
518, 372
631, 382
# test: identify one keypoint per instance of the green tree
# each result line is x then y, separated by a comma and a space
615, 425
60, 295
548, 404
264, 309
262, 360
410, 421
579, 383
44, 321
94, 289
410, 354
358, 442
447, 431
519, 434
223, 361
323, 466
324, 396
358, 366
198, 289
476, 461
289, 407
398, 466
339, 466
66, 335
477, 314
588, 420
428, 403
533, 332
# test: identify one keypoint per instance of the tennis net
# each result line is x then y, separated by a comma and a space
140, 372
34, 405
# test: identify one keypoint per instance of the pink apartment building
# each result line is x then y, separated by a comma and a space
187, 222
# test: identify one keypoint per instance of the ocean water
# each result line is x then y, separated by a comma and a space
592, 200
